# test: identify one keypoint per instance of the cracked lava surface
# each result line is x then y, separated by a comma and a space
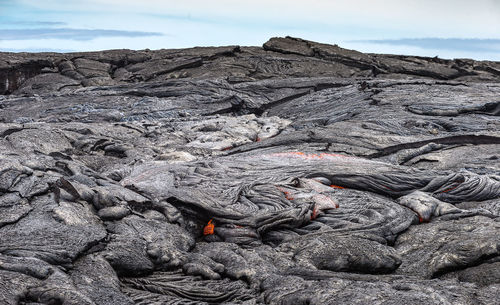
293, 173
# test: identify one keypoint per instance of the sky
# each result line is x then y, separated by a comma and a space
444, 28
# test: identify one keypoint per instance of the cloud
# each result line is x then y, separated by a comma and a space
71, 34
227, 22
469, 45
36, 50
33, 23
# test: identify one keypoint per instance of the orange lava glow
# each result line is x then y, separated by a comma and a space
308, 156
209, 228
288, 196
337, 186
314, 214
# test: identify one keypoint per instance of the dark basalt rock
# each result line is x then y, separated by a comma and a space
295, 173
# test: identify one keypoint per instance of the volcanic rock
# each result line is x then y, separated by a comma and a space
293, 173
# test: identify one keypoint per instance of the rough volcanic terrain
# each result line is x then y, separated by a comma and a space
293, 173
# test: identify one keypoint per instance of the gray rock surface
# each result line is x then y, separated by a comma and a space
293, 173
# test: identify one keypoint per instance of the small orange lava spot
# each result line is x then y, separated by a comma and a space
420, 219
227, 148
337, 186
287, 195
239, 227
309, 156
209, 228
258, 139
314, 214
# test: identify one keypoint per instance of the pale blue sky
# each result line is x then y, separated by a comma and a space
444, 28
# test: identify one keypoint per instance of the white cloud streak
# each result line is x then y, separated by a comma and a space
444, 18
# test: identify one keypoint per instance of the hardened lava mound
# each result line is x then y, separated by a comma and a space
293, 173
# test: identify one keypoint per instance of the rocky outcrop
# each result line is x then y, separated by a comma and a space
279, 57
295, 173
